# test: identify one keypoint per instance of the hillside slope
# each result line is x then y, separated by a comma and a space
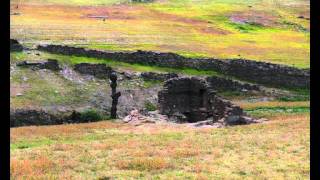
264, 30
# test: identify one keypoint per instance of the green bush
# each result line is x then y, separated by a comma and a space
149, 106
91, 115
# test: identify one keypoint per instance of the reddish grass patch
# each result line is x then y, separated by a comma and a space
28, 167
258, 17
21, 88
59, 130
161, 16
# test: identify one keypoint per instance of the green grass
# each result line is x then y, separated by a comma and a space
25, 144
151, 83
150, 106
297, 94
267, 112
17, 57
245, 28
45, 89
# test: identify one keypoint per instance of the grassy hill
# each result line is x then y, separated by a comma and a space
264, 30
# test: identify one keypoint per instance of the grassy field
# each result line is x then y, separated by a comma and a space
263, 30
278, 149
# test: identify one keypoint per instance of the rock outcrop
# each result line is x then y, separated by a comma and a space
15, 45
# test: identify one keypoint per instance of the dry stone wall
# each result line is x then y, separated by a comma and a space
23, 117
28, 117
98, 70
224, 84
259, 72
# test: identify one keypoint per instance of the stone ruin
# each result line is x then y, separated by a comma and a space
192, 100
98, 70
221, 84
49, 64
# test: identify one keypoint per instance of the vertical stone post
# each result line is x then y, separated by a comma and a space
114, 95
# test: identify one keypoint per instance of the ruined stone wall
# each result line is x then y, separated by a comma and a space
193, 99
50, 64
22, 117
267, 73
259, 72
98, 70
223, 108
185, 99
28, 117
223, 84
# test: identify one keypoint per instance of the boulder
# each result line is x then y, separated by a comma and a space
15, 45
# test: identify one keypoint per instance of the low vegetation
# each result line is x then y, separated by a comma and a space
91, 115
150, 106
276, 149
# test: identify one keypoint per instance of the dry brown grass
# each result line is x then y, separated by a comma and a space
142, 164
276, 149
58, 130
41, 166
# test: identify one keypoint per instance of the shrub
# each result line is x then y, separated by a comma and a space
91, 115
150, 106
